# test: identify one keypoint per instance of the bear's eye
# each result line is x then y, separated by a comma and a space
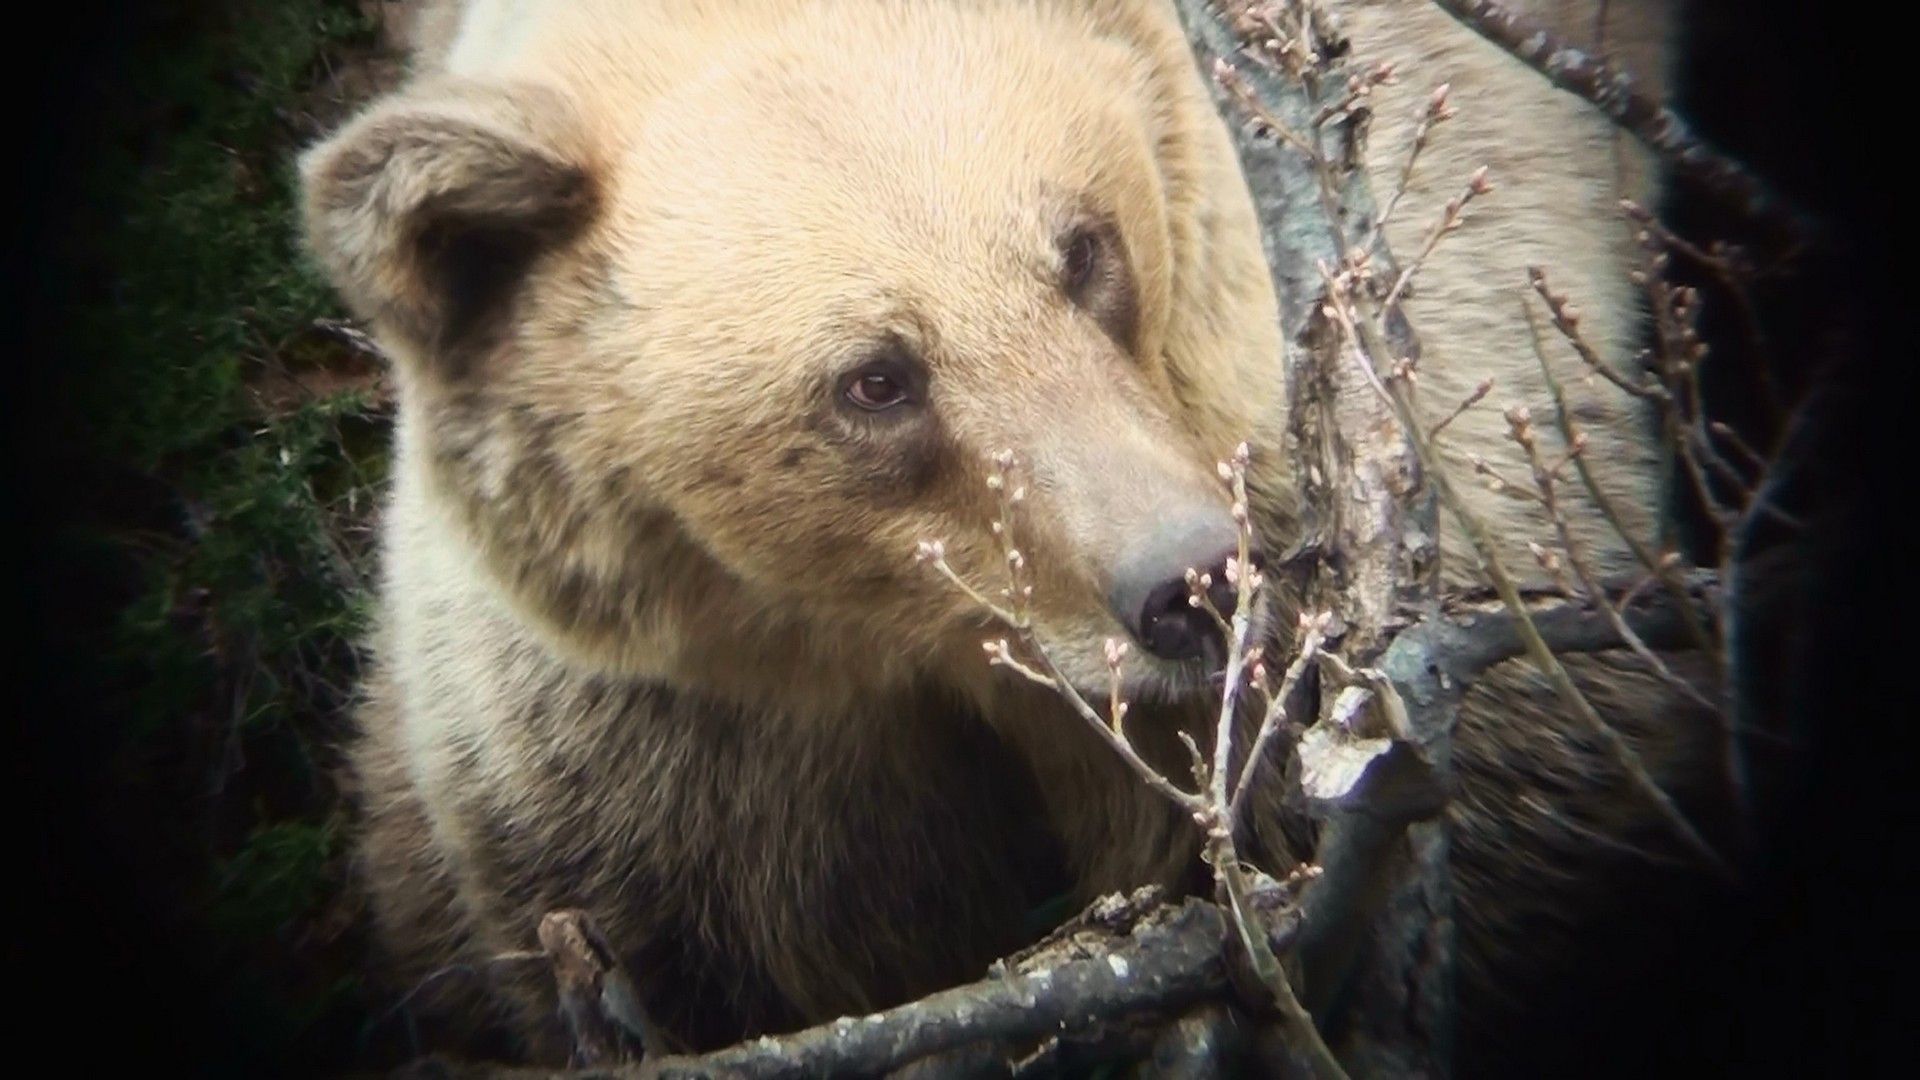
1077, 260
878, 386
1094, 276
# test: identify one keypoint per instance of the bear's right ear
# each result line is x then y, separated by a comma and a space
429, 211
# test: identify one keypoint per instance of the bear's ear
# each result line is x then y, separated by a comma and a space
428, 211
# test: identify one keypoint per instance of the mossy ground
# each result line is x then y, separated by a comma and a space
232, 449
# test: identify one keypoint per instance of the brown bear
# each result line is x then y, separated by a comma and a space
704, 315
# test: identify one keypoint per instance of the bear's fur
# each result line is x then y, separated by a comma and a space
652, 640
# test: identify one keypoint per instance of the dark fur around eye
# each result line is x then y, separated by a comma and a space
1094, 274
879, 427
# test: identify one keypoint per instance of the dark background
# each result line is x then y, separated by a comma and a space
1789, 977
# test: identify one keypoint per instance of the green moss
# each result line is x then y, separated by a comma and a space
278, 876
244, 552
206, 278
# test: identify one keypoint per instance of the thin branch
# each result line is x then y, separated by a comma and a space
1468, 402
1521, 426
1433, 112
1110, 734
1729, 267
1537, 649
1660, 567
1302, 1034
1740, 446
1244, 579
1450, 220
353, 336
1359, 89
1677, 356
1549, 665
1209, 806
1230, 79
1615, 94
1325, 183
1566, 319
935, 555
1218, 816
1499, 484
1313, 630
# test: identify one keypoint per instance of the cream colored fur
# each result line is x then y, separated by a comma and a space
1559, 169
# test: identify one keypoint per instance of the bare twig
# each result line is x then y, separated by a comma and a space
1729, 267
1352, 321
1754, 459
1219, 818
1661, 567
1433, 112
1679, 352
1479, 392
1615, 93
1450, 220
1566, 319
353, 336
1543, 658
1246, 580
1312, 633
1499, 484
1210, 806
1230, 78
1326, 185
1359, 90
1520, 425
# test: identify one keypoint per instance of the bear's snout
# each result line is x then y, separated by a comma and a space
1150, 594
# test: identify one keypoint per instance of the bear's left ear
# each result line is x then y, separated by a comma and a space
429, 211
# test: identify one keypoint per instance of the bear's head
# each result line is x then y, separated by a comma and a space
696, 359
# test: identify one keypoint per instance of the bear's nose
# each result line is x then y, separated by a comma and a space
1150, 594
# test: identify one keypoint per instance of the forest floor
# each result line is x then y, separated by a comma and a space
236, 439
